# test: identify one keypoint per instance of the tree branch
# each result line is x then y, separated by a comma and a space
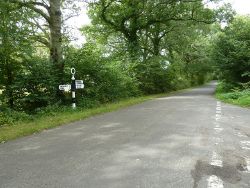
31, 5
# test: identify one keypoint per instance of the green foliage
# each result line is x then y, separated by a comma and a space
104, 81
153, 75
225, 87
152, 44
15, 47
232, 58
231, 51
228, 93
5, 120
9, 117
33, 86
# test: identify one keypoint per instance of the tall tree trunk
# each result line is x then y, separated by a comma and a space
55, 25
56, 56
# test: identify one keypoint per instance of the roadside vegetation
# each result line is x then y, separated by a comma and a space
235, 96
232, 60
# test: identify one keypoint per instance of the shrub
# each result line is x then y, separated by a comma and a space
33, 87
231, 51
5, 120
153, 75
9, 117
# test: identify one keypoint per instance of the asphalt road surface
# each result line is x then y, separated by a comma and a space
189, 140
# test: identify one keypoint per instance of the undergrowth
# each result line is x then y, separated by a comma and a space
235, 95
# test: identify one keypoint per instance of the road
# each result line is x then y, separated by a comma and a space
188, 140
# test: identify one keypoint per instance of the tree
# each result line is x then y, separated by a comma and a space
50, 11
231, 51
48, 28
15, 47
132, 17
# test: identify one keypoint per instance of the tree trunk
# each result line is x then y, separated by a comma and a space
55, 25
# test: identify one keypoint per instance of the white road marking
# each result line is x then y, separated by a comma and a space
218, 108
245, 142
245, 145
248, 164
218, 129
246, 167
241, 135
214, 182
217, 124
216, 160
217, 119
218, 111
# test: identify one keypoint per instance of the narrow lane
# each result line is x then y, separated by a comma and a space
186, 140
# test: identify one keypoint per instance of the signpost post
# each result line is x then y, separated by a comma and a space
75, 84
73, 87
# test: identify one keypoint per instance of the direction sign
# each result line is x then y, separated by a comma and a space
75, 84
79, 81
65, 87
79, 86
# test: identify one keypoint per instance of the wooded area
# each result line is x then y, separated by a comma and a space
133, 48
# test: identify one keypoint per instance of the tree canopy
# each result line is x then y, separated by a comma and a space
231, 51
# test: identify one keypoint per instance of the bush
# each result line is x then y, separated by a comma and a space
87, 103
33, 87
237, 95
232, 95
9, 117
50, 110
5, 120
153, 75
231, 51
224, 87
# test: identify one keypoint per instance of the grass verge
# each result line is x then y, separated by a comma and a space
20, 129
236, 97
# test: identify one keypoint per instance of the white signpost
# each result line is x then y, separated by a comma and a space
79, 84
79, 81
75, 84
65, 87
